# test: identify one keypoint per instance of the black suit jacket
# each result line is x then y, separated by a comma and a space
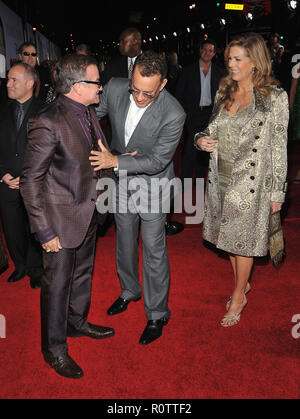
188, 91
117, 67
12, 142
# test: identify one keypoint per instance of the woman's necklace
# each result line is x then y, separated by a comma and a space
238, 104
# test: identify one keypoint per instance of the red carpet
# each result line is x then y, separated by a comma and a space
195, 358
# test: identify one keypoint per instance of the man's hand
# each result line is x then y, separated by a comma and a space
11, 182
52, 246
104, 159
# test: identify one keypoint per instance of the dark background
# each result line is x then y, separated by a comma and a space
99, 23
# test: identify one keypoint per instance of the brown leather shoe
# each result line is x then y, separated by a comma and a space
92, 331
65, 366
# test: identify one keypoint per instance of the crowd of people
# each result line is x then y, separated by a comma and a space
64, 129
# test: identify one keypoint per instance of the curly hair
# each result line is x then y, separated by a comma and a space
262, 78
151, 63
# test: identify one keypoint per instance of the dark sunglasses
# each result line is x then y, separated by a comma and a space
27, 54
98, 83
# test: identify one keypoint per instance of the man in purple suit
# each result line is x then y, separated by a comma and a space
58, 186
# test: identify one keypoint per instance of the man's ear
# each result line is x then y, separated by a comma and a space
30, 83
164, 82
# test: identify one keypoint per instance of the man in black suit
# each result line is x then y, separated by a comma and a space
23, 248
196, 90
130, 49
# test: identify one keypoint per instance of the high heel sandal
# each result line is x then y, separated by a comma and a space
230, 298
234, 319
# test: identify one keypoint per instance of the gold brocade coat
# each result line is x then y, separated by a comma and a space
258, 177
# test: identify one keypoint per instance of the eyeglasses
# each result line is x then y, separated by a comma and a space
145, 94
98, 83
27, 54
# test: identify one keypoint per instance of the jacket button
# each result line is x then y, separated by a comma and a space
252, 164
17, 155
252, 191
257, 137
252, 177
254, 150
261, 124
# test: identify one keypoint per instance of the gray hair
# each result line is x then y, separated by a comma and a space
29, 71
71, 69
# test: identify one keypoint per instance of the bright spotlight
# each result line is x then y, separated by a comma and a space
249, 16
292, 5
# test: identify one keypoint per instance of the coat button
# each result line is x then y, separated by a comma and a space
252, 191
17, 155
257, 137
261, 124
252, 177
252, 164
254, 150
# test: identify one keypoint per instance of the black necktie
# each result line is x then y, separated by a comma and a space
92, 130
93, 135
19, 115
130, 69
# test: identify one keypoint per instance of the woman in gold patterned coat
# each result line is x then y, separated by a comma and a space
246, 139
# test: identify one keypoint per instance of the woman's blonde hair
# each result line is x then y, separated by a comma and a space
262, 79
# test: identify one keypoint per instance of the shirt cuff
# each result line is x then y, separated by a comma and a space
44, 236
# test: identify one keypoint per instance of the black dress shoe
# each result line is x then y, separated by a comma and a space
16, 276
35, 282
173, 227
153, 330
119, 306
3, 269
65, 366
92, 331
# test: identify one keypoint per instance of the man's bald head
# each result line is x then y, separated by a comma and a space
21, 82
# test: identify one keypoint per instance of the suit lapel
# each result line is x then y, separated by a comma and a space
197, 79
148, 120
12, 120
73, 121
124, 104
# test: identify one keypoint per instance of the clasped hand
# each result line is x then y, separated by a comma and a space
53, 246
207, 144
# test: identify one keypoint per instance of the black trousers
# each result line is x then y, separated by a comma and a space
194, 163
24, 250
66, 292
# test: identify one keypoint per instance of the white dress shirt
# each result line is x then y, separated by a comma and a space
134, 116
